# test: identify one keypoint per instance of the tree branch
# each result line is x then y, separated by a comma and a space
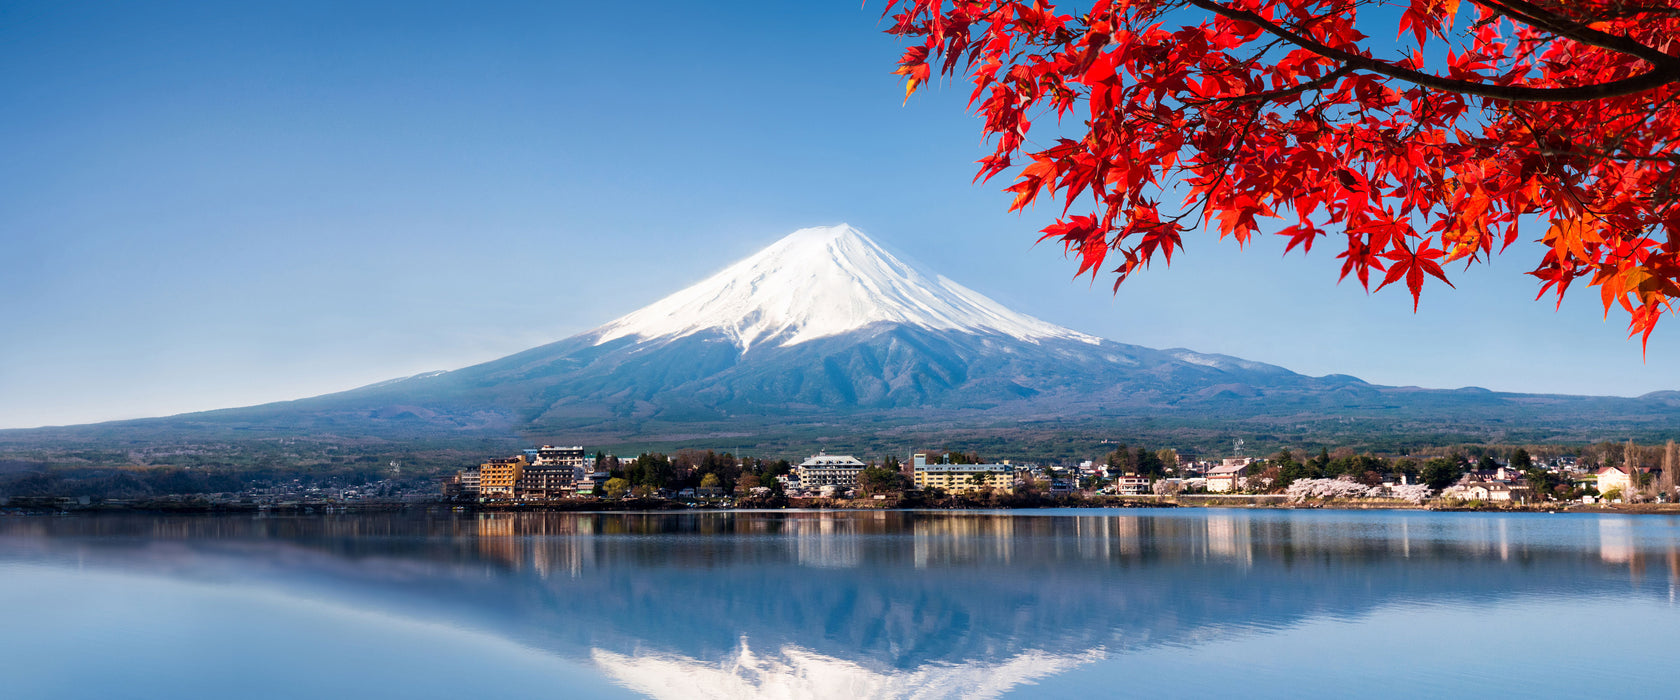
1655, 78
1537, 16
1314, 84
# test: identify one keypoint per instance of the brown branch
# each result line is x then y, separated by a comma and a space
1314, 84
1655, 78
1609, 155
1534, 15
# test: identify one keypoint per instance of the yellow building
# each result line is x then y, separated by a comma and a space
961, 478
498, 477
1617, 478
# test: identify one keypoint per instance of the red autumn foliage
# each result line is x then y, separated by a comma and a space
1484, 117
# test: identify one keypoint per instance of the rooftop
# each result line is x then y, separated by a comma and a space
831, 461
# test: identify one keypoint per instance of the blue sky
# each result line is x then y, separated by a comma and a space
205, 205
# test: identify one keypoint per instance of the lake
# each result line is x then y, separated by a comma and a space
789, 604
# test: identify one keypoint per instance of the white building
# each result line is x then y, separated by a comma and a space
829, 470
1226, 477
1131, 485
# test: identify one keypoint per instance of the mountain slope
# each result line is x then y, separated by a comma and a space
825, 328
824, 321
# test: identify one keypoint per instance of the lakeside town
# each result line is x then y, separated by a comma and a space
1621, 476
550, 474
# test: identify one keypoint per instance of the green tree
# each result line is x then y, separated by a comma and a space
1121, 460
880, 480
1319, 466
616, 487
1541, 483
1441, 472
654, 471
1408, 467
1168, 457
1147, 463
710, 481
1288, 470
1520, 460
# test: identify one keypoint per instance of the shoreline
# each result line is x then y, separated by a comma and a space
48, 506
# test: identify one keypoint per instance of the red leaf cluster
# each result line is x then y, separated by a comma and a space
1560, 115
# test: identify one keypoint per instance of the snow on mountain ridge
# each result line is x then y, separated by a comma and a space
821, 282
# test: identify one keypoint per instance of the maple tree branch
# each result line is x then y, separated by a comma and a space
1630, 12
1542, 18
1610, 155
1657, 77
1327, 79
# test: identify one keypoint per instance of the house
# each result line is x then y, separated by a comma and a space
1060, 487
1479, 490
1131, 485
1226, 477
1618, 477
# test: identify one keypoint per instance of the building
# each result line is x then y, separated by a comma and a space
546, 481
464, 484
1227, 477
554, 472
961, 478
590, 481
1479, 490
1619, 477
822, 470
499, 478
549, 455
1131, 485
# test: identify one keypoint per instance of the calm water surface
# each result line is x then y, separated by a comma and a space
1145, 603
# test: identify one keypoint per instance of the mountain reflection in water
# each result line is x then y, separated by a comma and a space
876, 604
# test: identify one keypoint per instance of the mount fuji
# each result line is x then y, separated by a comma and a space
826, 331
824, 322
822, 282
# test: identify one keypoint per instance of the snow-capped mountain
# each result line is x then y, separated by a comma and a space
822, 282
823, 321
826, 328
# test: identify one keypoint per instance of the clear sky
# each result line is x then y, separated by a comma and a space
215, 204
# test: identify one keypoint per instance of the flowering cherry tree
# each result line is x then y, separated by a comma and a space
1486, 116
1340, 487
1346, 487
1416, 493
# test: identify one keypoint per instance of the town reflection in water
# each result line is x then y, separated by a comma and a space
874, 604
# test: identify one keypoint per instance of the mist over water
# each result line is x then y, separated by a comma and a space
847, 604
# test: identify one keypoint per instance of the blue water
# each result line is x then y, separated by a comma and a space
1144, 603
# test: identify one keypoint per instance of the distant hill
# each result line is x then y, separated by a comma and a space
825, 333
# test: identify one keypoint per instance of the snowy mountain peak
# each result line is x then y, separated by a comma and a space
821, 282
